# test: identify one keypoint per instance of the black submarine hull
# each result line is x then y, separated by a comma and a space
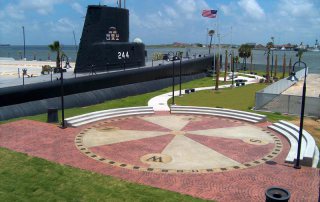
44, 90
104, 44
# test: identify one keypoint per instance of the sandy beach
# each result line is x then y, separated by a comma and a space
11, 68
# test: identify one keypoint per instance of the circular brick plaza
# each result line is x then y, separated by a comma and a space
178, 143
203, 156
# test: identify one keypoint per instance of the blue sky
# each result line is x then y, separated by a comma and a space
167, 21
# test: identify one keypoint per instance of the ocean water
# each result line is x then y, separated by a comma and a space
312, 59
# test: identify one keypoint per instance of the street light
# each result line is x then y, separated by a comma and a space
180, 58
294, 78
232, 68
174, 58
63, 126
272, 38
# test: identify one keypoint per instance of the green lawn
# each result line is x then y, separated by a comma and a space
241, 98
25, 178
131, 101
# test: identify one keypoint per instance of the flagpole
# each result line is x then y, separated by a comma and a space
207, 36
218, 35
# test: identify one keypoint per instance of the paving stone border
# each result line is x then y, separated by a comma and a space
86, 151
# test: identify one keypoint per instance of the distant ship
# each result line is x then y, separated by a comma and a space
301, 47
4, 44
315, 48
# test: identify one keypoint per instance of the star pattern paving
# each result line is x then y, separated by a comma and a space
178, 143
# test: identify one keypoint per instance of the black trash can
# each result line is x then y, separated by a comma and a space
52, 115
187, 91
274, 194
192, 90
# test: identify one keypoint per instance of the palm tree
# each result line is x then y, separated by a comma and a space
275, 66
236, 60
269, 46
210, 33
290, 68
245, 52
272, 38
284, 66
299, 54
226, 66
55, 47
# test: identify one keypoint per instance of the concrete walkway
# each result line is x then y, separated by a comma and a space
160, 102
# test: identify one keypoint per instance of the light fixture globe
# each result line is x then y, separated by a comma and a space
137, 40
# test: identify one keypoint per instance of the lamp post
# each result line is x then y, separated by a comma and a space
232, 68
173, 59
294, 78
24, 43
180, 76
63, 126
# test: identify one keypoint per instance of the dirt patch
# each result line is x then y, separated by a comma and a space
312, 126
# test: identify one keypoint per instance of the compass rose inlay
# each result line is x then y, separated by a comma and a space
178, 143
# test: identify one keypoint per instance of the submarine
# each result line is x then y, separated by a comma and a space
105, 48
104, 44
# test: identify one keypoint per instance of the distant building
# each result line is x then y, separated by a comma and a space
251, 44
178, 44
259, 46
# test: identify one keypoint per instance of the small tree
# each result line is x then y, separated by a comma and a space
284, 66
55, 47
236, 60
275, 66
269, 46
217, 72
251, 65
290, 66
210, 33
245, 52
226, 66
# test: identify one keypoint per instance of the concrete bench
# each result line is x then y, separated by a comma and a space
309, 154
229, 113
105, 114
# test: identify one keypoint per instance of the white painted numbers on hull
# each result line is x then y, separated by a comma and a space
123, 55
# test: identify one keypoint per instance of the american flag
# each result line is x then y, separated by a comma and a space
209, 13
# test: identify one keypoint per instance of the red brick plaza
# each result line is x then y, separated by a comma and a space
202, 156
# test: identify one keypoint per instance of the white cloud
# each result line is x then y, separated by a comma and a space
191, 8
170, 12
188, 6
62, 25
252, 8
78, 8
43, 7
297, 8
13, 13
225, 9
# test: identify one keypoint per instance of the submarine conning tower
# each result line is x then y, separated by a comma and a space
104, 44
